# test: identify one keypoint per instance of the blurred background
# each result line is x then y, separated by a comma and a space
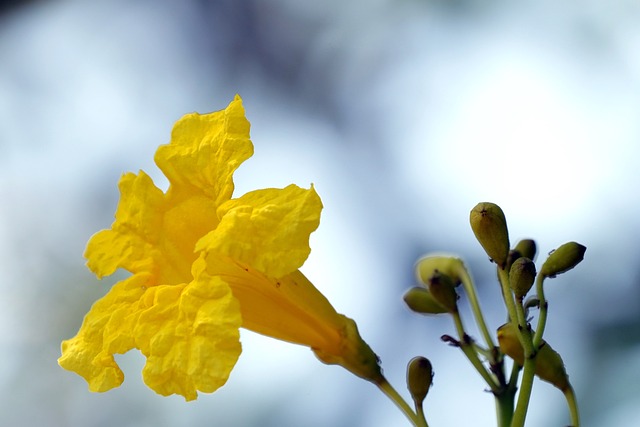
403, 113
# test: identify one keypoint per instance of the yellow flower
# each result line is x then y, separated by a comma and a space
204, 264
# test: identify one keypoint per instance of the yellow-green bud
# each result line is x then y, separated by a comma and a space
513, 255
549, 364
420, 300
419, 378
522, 276
443, 290
527, 248
447, 264
563, 259
490, 228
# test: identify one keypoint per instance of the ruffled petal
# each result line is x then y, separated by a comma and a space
266, 229
105, 331
206, 149
204, 265
153, 232
156, 232
190, 335
130, 242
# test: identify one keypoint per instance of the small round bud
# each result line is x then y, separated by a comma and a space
450, 265
490, 228
513, 255
563, 259
522, 276
443, 291
419, 378
527, 248
420, 300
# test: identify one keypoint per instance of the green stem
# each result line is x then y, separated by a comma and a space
470, 290
517, 318
513, 379
420, 414
542, 319
393, 395
525, 392
469, 351
503, 278
504, 408
570, 395
522, 318
516, 315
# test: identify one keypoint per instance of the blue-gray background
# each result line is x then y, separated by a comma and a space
403, 113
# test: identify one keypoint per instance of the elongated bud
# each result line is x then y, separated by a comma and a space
522, 276
420, 300
450, 265
563, 259
527, 248
443, 291
419, 378
490, 228
549, 364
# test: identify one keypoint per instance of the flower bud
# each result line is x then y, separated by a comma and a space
549, 364
450, 265
419, 378
490, 228
526, 248
513, 255
563, 259
443, 291
420, 300
521, 276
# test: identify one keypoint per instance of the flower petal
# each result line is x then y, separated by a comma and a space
266, 229
190, 335
156, 232
206, 149
105, 331
153, 232
291, 308
129, 243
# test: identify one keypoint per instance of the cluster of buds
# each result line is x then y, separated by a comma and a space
440, 275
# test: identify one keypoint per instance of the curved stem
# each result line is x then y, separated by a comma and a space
542, 318
570, 395
395, 397
469, 351
470, 290
420, 414
503, 278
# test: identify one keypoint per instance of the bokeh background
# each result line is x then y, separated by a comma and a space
403, 113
